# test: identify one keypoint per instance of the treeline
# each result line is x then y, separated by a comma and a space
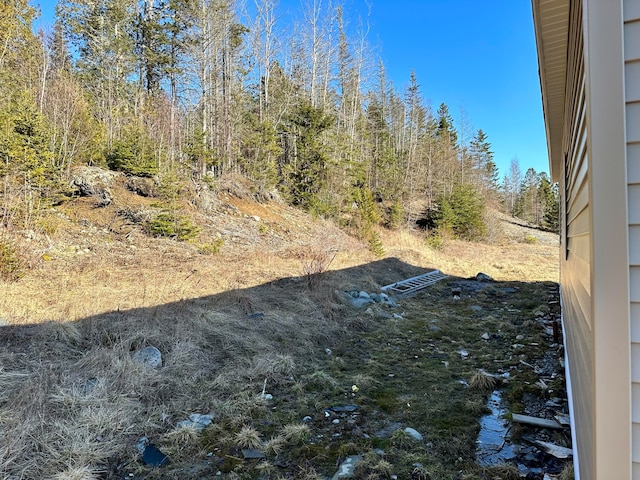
199, 89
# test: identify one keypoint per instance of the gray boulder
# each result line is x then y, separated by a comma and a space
93, 182
145, 187
149, 356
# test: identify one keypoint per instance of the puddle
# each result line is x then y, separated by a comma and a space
493, 442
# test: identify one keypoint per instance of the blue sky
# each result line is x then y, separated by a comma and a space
476, 56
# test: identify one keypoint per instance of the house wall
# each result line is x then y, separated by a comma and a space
588, 54
604, 31
631, 16
575, 254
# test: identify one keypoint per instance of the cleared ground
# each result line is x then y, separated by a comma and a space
266, 314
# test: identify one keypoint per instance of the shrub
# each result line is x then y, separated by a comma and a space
395, 216
530, 239
461, 213
171, 225
11, 263
436, 241
368, 218
133, 155
211, 248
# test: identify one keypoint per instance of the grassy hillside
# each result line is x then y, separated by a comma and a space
255, 304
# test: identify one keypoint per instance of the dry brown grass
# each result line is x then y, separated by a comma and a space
73, 401
483, 381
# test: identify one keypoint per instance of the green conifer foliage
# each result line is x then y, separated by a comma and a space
461, 213
133, 155
25, 155
305, 158
368, 219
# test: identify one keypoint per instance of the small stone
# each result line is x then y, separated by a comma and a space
520, 338
149, 356
335, 421
344, 408
328, 351
364, 294
413, 434
356, 301
517, 346
387, 431
197, 421
483, 277
347, 468
485, 336
398, 316
153, 457
267, 396
463, 353
387, 300
307, 419
476, 308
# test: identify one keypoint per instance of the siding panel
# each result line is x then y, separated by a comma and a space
635, 432
579, 191
633, 122
633, 163
581, 247
635, 331
635, 395
633, 194
632, 94
632, 41
632, 81
575, 268
631, 10
579, 223
635, 363
634, 245
634, 284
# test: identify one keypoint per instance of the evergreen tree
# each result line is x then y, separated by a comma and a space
461, 213
445, 129
485, 171
549, 197
304, 158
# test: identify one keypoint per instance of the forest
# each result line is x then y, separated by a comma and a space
195, 90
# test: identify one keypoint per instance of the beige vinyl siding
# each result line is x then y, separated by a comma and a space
633, 162
631, 14
576, 256
581, 57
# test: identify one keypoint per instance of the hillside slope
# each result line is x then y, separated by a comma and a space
97, 258
264, 340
